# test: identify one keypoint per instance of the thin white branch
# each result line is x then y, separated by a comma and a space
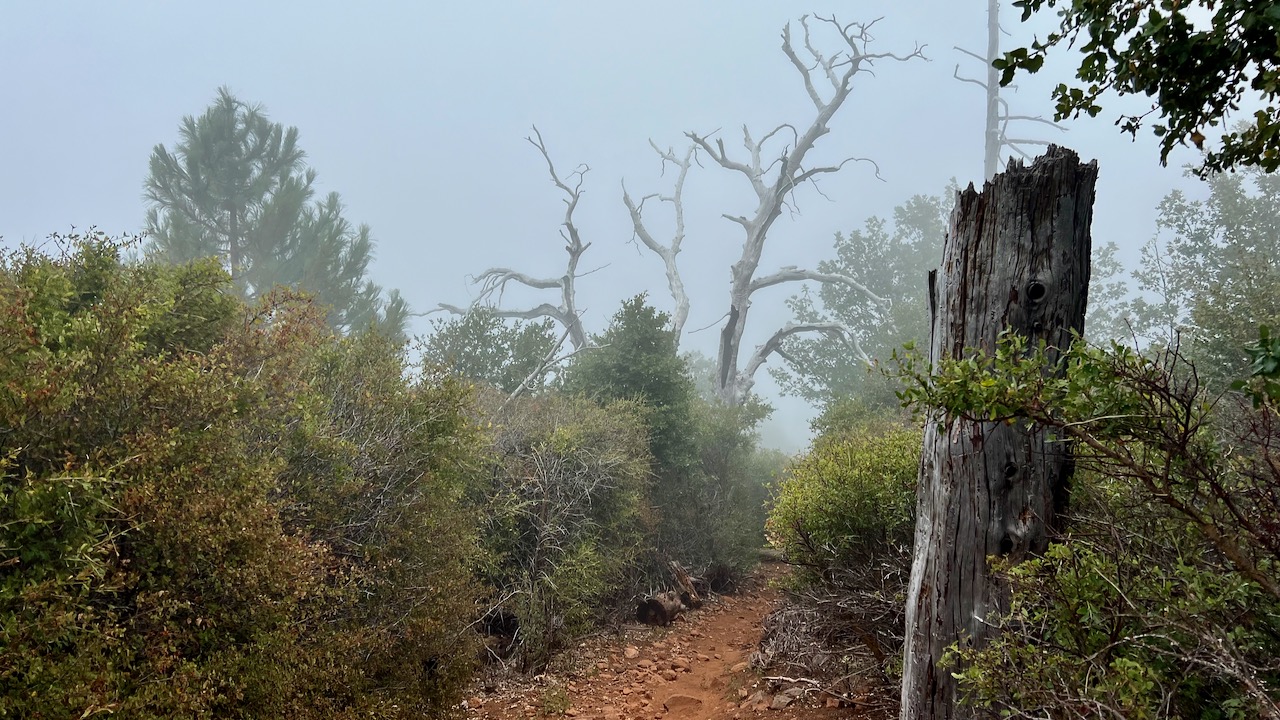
774, 344
793, 274
668, 253
493, 282
539, 371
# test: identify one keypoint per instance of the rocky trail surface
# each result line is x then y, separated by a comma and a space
699, 668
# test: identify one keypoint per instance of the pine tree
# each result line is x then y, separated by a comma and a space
236, 187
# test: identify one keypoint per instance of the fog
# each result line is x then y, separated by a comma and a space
417, 113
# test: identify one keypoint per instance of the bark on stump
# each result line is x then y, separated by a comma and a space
1016, 256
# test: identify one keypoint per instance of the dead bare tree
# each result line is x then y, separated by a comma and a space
667, 252
998, 114
493, 282
788, 170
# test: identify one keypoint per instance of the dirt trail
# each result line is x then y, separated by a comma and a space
697, 669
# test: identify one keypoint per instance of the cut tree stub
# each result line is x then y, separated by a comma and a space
1016, 257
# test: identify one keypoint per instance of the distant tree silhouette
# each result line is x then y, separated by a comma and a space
236, 187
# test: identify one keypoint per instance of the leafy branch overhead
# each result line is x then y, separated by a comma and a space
1200, 62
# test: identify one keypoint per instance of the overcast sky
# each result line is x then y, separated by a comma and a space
416, 112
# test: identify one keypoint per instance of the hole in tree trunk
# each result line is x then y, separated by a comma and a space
1036, 291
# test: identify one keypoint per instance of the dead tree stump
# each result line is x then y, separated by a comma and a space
1016, 257
661, 609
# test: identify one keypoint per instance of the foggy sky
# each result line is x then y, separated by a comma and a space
417, 113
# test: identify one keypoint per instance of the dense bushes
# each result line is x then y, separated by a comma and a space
850, 500
211, 510
567, 518
196, 514
1162, 598
705, 489
844, 516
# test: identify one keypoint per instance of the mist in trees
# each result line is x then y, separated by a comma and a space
236, 187
891, 259
1206, 280
645, 243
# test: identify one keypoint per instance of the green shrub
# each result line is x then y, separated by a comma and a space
705, 504
169, 544
567, 517
732, 503
849, 500
1133, 615
378, 470
1161, 598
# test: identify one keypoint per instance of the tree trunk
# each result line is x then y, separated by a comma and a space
1017, 257
993, 143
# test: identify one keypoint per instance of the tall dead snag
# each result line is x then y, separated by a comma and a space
773, 176
493, 282
1017, 257
998, 115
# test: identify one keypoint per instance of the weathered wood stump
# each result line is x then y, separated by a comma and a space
660, 609
688, 591
1016, 257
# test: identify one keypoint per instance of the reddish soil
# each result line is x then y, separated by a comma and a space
699, 668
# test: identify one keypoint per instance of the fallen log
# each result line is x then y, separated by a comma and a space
688, 593
660, 609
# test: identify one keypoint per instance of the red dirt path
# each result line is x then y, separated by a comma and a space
696, 669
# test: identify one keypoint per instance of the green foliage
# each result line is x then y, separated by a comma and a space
566, 517
850, 500
1198, 61
483, 347
737, 478
1263, 385
635, 359
1131, 616
165, 550
236, 188
1163, 599
378, 470
891, 260
1205, 282
707, 489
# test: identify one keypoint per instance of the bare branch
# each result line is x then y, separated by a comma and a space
801, 67
493, 282
539, 371
836, 330
774, 173
956, 74
971, 54
667, 253
717, 153
793, 274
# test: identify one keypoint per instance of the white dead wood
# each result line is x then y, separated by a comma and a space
493, 282
998, 115
772, 346
773, 177
669, 251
